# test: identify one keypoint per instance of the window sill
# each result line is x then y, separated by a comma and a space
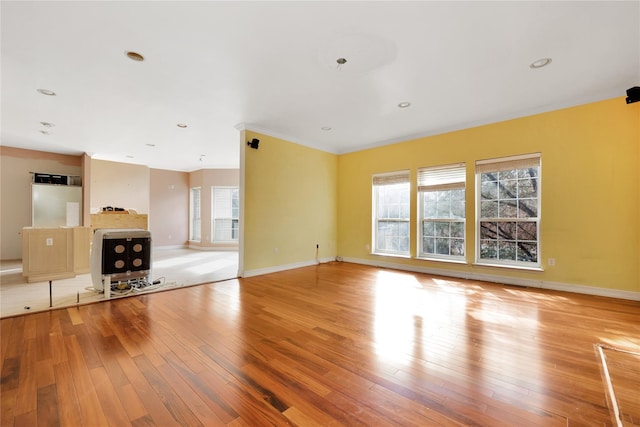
407, 256
513, 267
451, 261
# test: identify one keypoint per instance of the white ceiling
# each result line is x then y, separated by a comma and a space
271, 67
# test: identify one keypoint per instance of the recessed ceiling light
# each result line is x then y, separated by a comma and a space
182, 125
135, 56
151, 145
129, 157
47, 124
325, 128
540, 63
404, 104
45, 132
46, 92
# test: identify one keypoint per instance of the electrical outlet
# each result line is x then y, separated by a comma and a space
275, 251
551, 262
49, 241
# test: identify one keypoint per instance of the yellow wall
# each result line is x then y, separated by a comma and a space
590, 191
290, 196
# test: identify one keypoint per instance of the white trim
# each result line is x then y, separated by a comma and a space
170, 247
221, 248
494, 278
497, 160
278, 268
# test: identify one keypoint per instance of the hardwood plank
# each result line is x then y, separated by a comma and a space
152, 402
88, 399
132, 404
48, 404
112, 408
69, 405
26, 398
176, 406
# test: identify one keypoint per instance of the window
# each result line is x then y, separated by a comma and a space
194, 214
391, 213
225, 213
509, 211
441, 203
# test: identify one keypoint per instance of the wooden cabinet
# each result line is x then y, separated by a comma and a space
55, 253
119, 220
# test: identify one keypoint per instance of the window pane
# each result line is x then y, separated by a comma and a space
528, 208
508, 189
392, 236
507, 251
506, 231
457, 209
488, 209
429, 204
488, 249
442, 246
527, 188
429, 245
489, 190
528, 252
510, 174
443, 209
429, 228
527, 231
457, 229
442, 229
488, 230
508, 209
457, 247
528, 173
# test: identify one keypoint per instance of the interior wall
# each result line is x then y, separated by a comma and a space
590, 192
289, 205
121, 185
169, 207
206, 179
15, 190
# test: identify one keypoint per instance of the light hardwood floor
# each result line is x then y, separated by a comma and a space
333, 344
173, 267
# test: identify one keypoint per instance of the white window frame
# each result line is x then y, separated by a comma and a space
217, 215
195, 214
382, 179
502, 165
438, 179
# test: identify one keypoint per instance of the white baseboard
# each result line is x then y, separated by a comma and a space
221, 248
495, 278
278, 268
169, 247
